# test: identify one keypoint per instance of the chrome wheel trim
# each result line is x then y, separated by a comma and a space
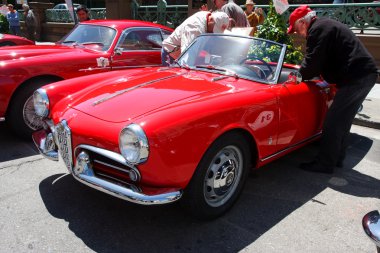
29, 115
223, 176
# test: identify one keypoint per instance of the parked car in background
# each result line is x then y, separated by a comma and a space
95, 46
191, 131
13, 40
64, 6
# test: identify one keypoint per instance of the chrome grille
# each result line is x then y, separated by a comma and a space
63, 139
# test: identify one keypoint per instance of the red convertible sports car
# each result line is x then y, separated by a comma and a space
12, 40
191, 131
91, 47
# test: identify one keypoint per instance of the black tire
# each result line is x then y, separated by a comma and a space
20, 111
230, 157
7, 43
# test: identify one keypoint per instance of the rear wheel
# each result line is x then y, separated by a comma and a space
219, 177
21, 116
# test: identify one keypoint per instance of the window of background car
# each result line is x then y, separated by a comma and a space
141, 39
85, 34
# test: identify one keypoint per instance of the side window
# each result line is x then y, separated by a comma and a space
141, 39
165, 34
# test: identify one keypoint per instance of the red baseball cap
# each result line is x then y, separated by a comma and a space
297, 14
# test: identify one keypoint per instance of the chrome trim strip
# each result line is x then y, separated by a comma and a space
96, 68
112, 166
104, 152
291, 147
134, 187
132, 88
137, 66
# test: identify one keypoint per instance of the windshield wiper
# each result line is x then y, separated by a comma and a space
68, 41
228, 72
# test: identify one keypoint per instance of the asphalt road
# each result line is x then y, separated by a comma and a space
282, 208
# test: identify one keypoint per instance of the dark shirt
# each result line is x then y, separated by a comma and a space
334, 51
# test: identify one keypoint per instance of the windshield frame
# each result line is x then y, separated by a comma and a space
277, 72
61, 41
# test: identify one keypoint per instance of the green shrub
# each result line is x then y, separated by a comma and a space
274, 28
4, 26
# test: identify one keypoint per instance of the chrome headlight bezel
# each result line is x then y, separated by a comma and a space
133, 144
41, 103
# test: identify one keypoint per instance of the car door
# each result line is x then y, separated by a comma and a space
303, 107
137, 47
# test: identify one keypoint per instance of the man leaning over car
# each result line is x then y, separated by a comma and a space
334, 52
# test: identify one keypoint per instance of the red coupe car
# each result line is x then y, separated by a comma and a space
12, 40
191, 131
96, 46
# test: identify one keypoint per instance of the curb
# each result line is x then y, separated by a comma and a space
366, 123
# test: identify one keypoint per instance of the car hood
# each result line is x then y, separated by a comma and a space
26, 52
125, 97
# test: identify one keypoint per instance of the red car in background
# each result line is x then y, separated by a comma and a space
13, 40
91, 47
191, 131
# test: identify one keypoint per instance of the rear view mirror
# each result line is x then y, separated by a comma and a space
118, 51
294, 77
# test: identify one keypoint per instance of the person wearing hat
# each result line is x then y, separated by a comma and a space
334, 53
13, 20
193, 26
255, 17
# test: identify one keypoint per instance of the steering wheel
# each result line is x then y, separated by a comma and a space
256, 68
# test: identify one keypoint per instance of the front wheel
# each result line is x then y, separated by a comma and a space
21, 116
219, 177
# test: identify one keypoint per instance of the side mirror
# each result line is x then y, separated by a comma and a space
118, 51
371, 226
294, 77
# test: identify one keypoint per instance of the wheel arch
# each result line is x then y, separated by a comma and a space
52, 78
245, 134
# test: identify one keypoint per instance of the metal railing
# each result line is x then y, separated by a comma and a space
63, 16
364, 17
359, 16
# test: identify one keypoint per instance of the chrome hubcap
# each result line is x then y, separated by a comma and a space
223, 176
33, 121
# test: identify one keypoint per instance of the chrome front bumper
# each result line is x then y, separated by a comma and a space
84, 173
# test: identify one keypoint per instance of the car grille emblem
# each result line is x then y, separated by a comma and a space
63, 138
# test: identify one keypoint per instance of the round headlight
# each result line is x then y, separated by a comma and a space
41, 103
133, 144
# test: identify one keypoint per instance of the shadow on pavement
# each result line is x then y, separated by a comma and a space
13, 148
108, 224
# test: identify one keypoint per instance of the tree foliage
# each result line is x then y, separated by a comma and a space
274, 28
4, 27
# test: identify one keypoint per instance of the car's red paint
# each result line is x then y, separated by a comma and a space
13, 40
21, 65
183, 111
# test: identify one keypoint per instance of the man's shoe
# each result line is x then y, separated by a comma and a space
314, 166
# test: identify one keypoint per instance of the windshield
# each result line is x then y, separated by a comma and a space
96, 37
247, 57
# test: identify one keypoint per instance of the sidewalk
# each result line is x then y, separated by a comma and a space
370, 114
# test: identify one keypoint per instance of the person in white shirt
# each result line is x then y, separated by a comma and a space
199, 23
